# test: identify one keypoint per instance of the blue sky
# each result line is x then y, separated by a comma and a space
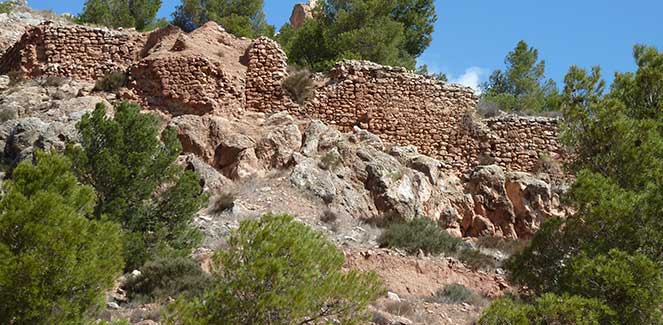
473, 36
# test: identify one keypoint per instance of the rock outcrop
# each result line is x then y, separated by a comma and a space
359, 177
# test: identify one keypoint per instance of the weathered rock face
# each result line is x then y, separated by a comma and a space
359, 177
508, 204
36, 115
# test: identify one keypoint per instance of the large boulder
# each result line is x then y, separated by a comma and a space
509, 204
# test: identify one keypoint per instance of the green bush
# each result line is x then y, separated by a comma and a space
55, 263
419, 234
111, 81
139, 184
279, 271
168, 277
476, 260
6, 7
455, 294
505, 311
299, 85
630, 284
549, 309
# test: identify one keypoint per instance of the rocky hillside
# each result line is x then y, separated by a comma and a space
350, 185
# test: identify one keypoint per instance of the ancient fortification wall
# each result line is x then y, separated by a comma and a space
404, 108
211, 71
72, 51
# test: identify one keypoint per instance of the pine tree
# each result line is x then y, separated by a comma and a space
239, 17
139, 14
56, 261
279, 271
522, 86
391, 32
132, 167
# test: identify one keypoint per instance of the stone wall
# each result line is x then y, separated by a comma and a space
73, 51
210, 71
405, 109
519, 142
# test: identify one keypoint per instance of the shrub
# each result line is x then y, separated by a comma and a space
549, 309
134, 170
16, 77
7, 115
55, 263
223, 202
455, 294
419, 234
168, 277
630, 284
328, 216
6, 7
505, 311
553, 309
506, 246
111, 81
488, 109
400, 308
548, 165
476, 260
53, 81
299, 85
331, 160
278, 271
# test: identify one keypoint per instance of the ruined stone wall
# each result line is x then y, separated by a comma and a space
267, 68
406, 109
73, 51
519, 142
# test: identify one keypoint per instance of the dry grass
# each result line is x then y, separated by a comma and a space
299, 85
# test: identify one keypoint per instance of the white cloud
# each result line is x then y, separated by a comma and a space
471, 78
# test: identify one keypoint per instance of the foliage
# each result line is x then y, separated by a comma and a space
476, 260
223, 202
299, 85
239, 17
612, 248
391, 32
16, 78
630, 284
168, 277
505, 311
55, 263
439, 76
111, 81
549, 309
120, 13
455, 294
521, 87
419, 234
6, 7
279, 271
137, 181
